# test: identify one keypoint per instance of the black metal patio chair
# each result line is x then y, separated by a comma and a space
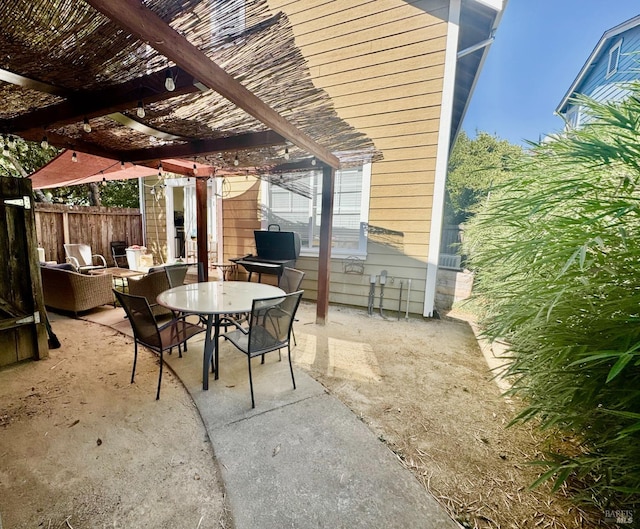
290, 281
270, 325
146, 331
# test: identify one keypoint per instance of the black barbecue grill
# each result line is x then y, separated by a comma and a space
275, 250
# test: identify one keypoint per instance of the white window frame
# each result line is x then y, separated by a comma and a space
239, 8
614, 59
314, 211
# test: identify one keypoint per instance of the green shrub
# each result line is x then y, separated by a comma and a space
556, 252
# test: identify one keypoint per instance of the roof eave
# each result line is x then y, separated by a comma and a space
498, 6
606, 37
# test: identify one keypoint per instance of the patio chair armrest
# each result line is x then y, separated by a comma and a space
227, 320
101, 258
74, 262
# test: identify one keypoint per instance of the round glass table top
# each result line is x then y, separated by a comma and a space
217, 297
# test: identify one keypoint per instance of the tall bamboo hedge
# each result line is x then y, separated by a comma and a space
556, 252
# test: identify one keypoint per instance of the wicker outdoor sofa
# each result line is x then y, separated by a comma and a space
69, 291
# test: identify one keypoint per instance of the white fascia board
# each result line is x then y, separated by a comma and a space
496, 5
442, 156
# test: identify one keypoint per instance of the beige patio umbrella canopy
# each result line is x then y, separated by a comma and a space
77, 73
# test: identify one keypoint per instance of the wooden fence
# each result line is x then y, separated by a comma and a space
57, 224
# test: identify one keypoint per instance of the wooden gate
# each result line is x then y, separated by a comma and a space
23, 333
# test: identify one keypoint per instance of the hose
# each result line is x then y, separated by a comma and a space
372, 294
383, 280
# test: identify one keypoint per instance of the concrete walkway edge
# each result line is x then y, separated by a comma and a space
301, 459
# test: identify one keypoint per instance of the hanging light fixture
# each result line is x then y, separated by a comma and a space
169, 82
86, 126
44, 143
74, 157
313, 160
11, 141
236, 162
140, 110
121, 164
286, 153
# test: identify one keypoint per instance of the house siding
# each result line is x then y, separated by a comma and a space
382, 63
155, 219
596, 84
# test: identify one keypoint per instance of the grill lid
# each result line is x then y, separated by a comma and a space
277, 245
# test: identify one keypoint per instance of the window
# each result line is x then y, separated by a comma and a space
227, 17
294, 202
614, 58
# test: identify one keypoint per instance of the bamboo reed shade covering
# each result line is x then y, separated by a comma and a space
57, 51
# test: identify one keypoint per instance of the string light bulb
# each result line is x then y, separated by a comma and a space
74, 157
44, 143
286, 153
121, 164
86, 126
11, 141
236, 162
169, 83
313, 160
140, 110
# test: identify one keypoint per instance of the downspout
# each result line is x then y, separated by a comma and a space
442, 156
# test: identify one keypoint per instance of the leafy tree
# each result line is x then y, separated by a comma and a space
121, 193
556, 252
475, 165
20, 158
112, 193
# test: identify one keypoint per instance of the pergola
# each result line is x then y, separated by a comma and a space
139, 82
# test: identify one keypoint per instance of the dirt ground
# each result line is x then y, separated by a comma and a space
81, 447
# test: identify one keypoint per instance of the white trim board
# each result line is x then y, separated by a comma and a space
442, 156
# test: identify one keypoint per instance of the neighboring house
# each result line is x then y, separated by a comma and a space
614, 62
402, 73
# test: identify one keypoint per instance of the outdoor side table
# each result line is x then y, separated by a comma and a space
120, 276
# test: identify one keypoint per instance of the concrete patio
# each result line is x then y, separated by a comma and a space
300, 458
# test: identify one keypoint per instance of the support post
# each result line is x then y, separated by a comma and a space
201, 226
324, 259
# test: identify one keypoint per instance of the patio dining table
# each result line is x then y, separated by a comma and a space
212, 300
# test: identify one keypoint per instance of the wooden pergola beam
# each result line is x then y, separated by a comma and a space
240, 142
91, 104
63, 142
324, 257
149, 27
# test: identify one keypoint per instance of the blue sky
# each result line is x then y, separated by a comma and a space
540, 47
